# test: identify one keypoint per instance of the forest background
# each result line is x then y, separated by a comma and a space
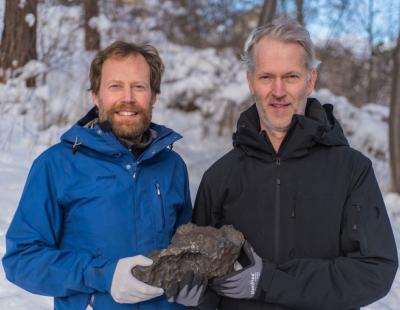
47, 45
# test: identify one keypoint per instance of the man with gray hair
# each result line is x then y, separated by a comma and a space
316, 227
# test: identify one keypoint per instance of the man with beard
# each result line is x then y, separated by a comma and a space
318, 234
95, 204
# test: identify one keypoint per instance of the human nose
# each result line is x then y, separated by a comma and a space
128, 95
279, 88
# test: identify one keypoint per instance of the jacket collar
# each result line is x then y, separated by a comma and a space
317, 126
105, 142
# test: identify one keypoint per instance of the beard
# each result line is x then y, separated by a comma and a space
131, 130
280, 124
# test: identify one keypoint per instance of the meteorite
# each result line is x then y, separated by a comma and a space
204, 250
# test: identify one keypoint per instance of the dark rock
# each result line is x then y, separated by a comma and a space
203, 250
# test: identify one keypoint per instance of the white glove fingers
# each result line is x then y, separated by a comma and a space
145, 289
130, 296
143, 295
131, 299
125, 288
141, 260
128, 299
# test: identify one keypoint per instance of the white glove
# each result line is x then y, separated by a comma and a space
125, 288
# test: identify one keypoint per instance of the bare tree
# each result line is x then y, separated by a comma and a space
92, 37
267, 12
18, 43
371, 36
205, 23
299, 11
394, 120
371, 17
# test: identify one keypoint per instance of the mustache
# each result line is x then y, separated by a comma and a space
126, 107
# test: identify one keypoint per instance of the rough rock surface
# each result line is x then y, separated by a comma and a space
204, 250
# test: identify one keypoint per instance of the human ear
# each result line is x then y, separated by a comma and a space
250, 81
95, 99
311, 81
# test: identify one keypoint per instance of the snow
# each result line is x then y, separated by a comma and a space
30, 19
21, 4
101, 23
211, 82
366, 129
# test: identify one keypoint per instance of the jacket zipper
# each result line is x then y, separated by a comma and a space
89, 305
135, 170
161, 205
277, 211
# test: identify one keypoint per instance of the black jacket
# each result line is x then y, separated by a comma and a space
313, 212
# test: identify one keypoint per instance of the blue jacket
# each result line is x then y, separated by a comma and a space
88, 202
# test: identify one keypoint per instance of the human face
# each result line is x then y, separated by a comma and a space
279, 82
125, 98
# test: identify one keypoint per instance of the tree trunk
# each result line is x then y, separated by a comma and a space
371, 62
299, 12
394, 121
267, 12
92, 37
18, 43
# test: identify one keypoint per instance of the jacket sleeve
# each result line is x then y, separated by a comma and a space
184, 215
33, 259
361, 275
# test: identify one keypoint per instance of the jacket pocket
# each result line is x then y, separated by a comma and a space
355, 227
161, 210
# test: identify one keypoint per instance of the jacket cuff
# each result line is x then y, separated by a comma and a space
99, 274
209, 301
264, 284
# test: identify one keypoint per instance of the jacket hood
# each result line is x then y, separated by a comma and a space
317, 127
94, 138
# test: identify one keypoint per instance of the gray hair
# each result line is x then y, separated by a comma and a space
284, 30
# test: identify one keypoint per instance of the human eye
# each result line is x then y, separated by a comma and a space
265, 77
114, 86
140, 87
292, 77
